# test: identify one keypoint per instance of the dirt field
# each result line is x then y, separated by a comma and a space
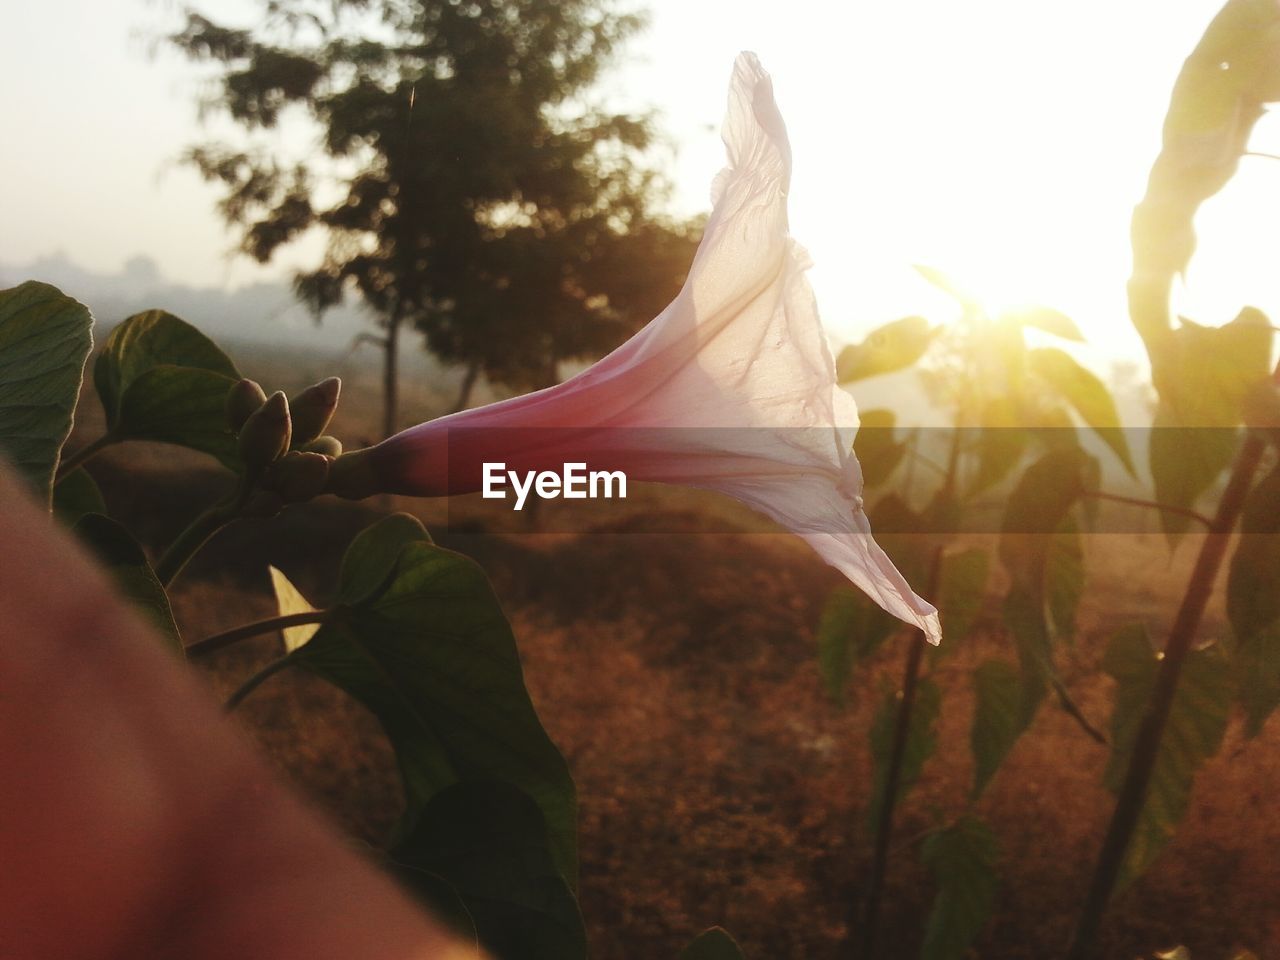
717, 783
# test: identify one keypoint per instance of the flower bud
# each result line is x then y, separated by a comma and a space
242, 400
265, 435
329, 446
297, 476
313, 409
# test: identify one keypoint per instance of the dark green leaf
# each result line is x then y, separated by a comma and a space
370, 559
489, 841
1002, 442
962, 859
1024, 616
1208, 373
1087, 394
75, 495
1253, 602
899, 530
432, 656
44, 340
438, 895
713, 944
887, 349
999, 718
1193, 733
922, 740
964, 584
1064, 577
159, 378
852, 628
1046, 319
120, 554
878, 452
1037, 509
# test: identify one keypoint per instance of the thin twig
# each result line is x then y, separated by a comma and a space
219, 641
1072, 709
1152, 505
81, 456
255, 681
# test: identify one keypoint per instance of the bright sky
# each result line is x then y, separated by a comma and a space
1002, 141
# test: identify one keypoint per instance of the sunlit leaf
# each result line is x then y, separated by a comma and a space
44, 340
878, 452
116, 550
75, 495
159, 378
289, 600
1046, 319
950, 287
1217, 99
892, 347
713, 944
1087, 394
962, 860
1253, 602
489, 841
1193, 733
922, 740
999, 718
432, 656
851, 629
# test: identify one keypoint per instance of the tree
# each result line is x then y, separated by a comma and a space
471, 192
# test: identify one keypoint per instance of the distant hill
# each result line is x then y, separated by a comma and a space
265, 313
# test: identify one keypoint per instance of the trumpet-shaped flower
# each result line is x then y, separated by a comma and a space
731, 388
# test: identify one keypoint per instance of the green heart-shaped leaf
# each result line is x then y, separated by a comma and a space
159, 378
433, 657
489, 842
116, 549
45, 337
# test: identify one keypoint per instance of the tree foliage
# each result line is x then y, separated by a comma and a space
463, 181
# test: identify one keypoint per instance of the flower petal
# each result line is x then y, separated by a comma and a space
731, 388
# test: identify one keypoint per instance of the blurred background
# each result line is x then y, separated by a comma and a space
1004, 143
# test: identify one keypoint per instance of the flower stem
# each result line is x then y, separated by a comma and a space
902, 727
897, 753
255, 681
220, 641
190, 540
82, 456
174, 559
1146, 744
1152, 504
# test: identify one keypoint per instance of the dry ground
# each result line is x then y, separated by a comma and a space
718, 785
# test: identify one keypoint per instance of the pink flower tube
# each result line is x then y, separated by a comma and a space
731, 388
